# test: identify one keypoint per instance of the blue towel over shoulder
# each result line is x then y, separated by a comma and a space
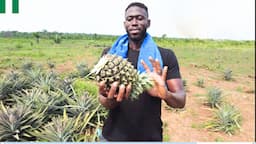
148, 48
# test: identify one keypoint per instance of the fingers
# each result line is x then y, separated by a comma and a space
128, 91
112, 90
120, 93
164, 72
102, 89
123, 92
155, 65
145, 66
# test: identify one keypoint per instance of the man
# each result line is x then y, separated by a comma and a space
140, 120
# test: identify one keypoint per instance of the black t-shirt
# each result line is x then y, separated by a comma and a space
139, 120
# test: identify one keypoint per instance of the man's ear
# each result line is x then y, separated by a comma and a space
148, 25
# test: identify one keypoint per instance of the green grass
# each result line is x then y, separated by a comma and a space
166, 137
46, 50
214, 55
83, 85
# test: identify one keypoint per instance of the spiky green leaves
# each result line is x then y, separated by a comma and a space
17, 123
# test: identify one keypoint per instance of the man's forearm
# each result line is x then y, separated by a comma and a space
175, 100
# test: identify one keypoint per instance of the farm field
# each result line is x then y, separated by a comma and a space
223, 64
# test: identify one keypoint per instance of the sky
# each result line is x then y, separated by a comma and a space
205, 19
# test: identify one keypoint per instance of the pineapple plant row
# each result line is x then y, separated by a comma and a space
111, 68
40, 105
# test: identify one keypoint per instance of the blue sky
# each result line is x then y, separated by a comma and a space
214, 19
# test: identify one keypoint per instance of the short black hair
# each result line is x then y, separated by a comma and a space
138, 4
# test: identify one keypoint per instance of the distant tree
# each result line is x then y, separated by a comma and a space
164, 36
57, 39
37, 36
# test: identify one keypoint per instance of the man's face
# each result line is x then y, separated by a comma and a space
136, 23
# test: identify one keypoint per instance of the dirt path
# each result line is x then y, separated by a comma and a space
187, 125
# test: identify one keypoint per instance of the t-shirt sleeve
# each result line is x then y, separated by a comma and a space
170, 60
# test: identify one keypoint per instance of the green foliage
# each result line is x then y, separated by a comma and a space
214, 97
17, 123
17, 47
185, 84
227, 118
11, 84
166, 137
38, 109
57, 39
214, 55
50, 64
82, 69
200, 83
82, 85
227, 75
37, 36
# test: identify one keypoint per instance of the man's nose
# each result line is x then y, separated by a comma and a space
134, 21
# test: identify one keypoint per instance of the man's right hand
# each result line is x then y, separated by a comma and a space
110, 98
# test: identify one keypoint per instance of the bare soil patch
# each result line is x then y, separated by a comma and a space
186, 125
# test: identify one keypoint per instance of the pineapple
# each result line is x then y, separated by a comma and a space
111, 68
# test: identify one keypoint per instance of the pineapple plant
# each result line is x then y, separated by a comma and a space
227, 75
68, 129
214, 97
111, 68
227, 118
18, 122
11, 84
200, 82
82, 69
58, 130
32, 102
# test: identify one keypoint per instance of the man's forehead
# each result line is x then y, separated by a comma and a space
135, 11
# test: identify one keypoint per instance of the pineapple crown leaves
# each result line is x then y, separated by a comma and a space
96, 69
18, 122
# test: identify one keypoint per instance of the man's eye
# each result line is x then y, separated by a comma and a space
140, 18
129, 19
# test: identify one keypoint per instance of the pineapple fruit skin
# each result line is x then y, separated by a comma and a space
111, 68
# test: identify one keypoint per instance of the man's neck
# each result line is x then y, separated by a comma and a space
135, 45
